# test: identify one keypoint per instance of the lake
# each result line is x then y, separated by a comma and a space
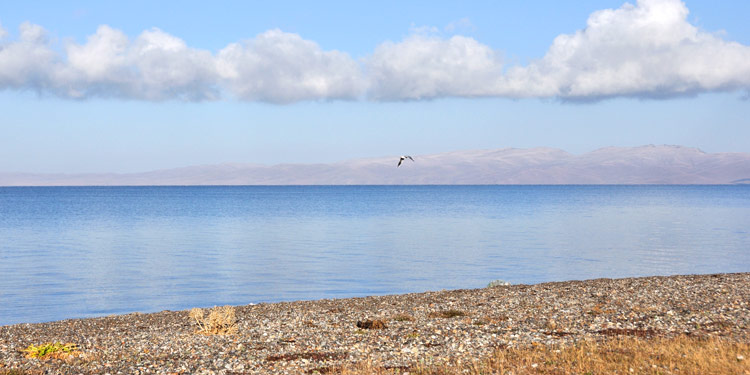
72, 252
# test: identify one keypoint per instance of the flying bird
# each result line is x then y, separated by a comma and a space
404, 157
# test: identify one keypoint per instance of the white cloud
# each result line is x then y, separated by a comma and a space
282, 67
29, 62
644, 50
154, 66
428, 67
274, 67
647, 50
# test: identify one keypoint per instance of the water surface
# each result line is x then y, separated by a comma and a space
89, 251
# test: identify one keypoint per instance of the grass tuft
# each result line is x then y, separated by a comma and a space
219, 321
52, 350
403, 317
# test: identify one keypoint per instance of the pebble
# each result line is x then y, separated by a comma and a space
297, 337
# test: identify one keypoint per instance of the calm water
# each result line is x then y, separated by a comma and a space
89, 251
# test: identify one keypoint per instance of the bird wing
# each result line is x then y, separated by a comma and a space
410, 158
399, 162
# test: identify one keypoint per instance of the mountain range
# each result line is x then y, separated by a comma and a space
612, 165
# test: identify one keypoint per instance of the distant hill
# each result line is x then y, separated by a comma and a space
611, 165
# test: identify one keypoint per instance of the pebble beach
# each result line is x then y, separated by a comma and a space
394, 332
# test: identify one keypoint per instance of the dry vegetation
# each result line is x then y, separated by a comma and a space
372, 324
52, 350
682, 355
219, 321
403, 317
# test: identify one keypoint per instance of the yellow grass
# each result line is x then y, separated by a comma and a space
54, 350
682, 355
219, 321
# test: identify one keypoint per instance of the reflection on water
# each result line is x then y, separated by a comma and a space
78, 252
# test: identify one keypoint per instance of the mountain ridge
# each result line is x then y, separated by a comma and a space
664, 164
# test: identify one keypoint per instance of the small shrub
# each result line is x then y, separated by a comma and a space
52, 350
371, 324
219, 321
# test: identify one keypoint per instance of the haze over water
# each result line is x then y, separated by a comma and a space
68, 252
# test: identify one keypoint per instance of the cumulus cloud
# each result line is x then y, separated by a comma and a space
29, 62
428, 67
282, 68
644, 50
273, 67
154, 66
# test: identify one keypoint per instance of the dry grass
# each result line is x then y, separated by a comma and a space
51, 350
403, 317
18, 372
623, 355
219, 321
372, 324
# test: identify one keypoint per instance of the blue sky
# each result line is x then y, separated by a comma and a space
104, 86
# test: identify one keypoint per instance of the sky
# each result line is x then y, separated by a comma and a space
106, 86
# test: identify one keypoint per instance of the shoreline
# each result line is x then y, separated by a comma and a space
429, 327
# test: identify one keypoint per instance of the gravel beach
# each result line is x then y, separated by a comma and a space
395, 331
